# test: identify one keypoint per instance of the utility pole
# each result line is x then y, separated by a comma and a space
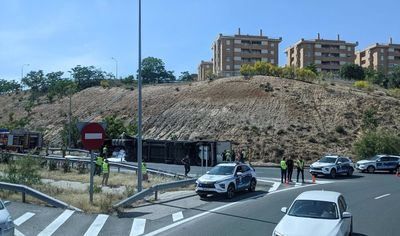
116, 67
139, 135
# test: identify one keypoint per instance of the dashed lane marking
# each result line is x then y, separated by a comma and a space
138, 226
97, 225
274, 187
177, 216
20, 220
382, 196
53, 226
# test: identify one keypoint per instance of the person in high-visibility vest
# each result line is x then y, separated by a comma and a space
105, 151
106, 172
283, 170
99, 165
144, 172
300, 168
228, 155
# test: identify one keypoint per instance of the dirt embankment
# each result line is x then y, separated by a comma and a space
294, 118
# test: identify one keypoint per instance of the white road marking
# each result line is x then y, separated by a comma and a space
385, 195
18, 233
137, 227
307, 181
298, 184
177, 216
53, 226
274, 187
20, 220
97, 225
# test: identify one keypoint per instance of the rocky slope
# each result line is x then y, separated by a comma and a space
295, 118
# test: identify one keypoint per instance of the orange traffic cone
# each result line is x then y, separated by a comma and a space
313, 179
398, 173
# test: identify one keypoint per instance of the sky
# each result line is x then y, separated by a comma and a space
56, 35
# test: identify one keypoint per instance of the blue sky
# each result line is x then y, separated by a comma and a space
58, 34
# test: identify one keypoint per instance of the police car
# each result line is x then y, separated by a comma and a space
379, 162
332, 166
227, 178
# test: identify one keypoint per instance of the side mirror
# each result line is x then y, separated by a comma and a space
7, 203
346, 214
207, 172
284, 210
339, 162
239, 173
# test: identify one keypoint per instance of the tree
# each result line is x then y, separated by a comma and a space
394, 78
247, 70
128, 80
86, 77
185, 76
352, 72
369, 121
312, 67
75, 135
377, 142
305, 74
376, 77
9, 86
116, 127
37, 82
153, 70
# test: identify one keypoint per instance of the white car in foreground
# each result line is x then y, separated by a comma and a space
316, 213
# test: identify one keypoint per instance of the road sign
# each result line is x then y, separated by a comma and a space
93, 135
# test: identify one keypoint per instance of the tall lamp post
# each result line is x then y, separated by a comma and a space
139, 134
116, 67
22, 70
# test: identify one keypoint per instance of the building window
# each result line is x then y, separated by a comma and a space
228, 49
264, 51
349, 49
264, 59
272, 52
228, 58
238, 50
237, 67
382, 50
382, 58
272, 45
237, 58
228, 67
272, 61
237, 41
228, 42
207, 66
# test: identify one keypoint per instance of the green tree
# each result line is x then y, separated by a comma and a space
352, 72
9, 86
247, 70
36, 81
377, 142
312, 67
116, 127
305, 74
394, 78
369, 120
185, 76
288, 72
75, 135
87, 76
153, 70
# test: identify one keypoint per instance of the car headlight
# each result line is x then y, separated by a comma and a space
326, 169
222, 185
276, 233
9, 223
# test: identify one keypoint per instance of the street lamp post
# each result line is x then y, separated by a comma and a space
22, 70
139, 134
116, 67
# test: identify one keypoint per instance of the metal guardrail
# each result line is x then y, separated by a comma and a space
36, 194
153, 189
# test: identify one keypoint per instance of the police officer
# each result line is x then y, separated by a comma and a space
290, 165
105, 151
186, 162
99, 164
144, 172
106, 172
300, 168
283, 170
228, 155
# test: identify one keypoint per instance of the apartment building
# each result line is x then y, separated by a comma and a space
231, 52
204, 68
327, 55
383, 57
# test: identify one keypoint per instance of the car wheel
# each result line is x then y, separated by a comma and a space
230, 192
350, 172
371, 169
252, 186
333, 173
203, 195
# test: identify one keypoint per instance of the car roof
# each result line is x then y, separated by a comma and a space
319, 195
227, 164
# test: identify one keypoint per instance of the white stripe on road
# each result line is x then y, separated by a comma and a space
274, 187
20, 220
51, 228
18, 233
96, 226
177, 216
385, 195
298, 184
137, 227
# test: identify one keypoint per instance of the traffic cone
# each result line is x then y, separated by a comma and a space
313, 179
398, 173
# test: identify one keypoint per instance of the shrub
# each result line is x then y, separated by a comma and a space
377, 142
247, 70
394, 92
305, 75
288, 72
105, 84
52, 165
361, 84
23, 171
352, 71
369, 121
66, 166
340, 129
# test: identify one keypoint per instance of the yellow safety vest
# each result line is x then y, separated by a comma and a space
283, 165
300, 164
99, 161
105, 167
144, 169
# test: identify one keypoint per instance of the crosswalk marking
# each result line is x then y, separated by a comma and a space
53, 226
298, 184
97, 225
20, 220
18, 233
177, 216
274, 187
138, 227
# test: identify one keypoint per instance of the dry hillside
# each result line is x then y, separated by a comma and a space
294, 118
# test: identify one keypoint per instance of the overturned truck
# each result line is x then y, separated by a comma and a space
202, 152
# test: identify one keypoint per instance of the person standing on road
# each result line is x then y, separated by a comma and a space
99, 164
144, 172
105, 151
106, 172
186, 162
300, 168
283, 170
290, 165
228, 156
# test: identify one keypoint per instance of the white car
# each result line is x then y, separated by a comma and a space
6, 222
332, 166
227, 178
316, 213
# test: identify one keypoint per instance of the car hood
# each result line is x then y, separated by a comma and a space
298, 226
4, 214
320, 164
364, 162
213, 178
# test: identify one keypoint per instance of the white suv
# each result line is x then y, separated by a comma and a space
227, 178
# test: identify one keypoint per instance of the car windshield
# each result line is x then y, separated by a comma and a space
314, 209
374, 158
328, 160
221, 170
1, 206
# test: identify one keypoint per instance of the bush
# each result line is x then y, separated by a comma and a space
352, 71
369, 121
361, 84
340, 129
305, 75
66, 166
247, 70
23, 171
394, 92
377, 142
52, 165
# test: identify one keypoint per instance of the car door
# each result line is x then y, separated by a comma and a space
342, 166
247, 176
239, 177
344, 222
382, 163
393, 162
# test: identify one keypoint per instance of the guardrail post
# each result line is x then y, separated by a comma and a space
156, 195
23, 197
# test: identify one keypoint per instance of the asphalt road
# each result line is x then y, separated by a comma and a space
260, 215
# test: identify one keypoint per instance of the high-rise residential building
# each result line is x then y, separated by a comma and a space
383, 57
205, 68
326, 55
231, 52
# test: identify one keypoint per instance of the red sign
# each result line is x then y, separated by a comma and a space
93, 135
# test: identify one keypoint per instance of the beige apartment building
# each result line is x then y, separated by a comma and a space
205, 68
231, 52
327, 55
383, 57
